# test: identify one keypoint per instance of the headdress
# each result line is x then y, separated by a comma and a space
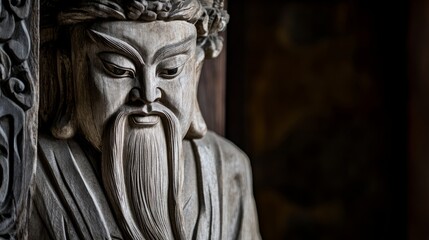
209, 16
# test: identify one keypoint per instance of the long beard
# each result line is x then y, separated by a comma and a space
147, 180
141, 172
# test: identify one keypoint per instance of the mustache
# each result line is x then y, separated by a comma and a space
113, 172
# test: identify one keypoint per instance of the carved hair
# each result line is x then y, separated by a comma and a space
208, 16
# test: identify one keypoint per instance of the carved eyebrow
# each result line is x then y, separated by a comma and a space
173, 49
117, 44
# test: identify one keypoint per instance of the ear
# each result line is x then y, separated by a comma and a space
64, 125
198, 127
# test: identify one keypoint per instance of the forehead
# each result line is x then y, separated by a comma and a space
148, 35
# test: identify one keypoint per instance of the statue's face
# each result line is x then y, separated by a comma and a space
134, 63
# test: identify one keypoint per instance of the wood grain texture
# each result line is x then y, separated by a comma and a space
18, 113
124, 152
211, 92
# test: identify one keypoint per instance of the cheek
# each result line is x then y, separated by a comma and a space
187, 95
108, 94
179, 97
98, 97
189, 85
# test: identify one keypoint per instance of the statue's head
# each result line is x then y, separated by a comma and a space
130, 72
133, 53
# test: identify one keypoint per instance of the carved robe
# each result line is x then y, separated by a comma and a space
70, 202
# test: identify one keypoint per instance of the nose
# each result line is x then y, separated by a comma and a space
146, 92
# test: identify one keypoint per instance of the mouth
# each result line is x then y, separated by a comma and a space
144, 120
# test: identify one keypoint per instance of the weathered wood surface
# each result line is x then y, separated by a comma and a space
211, 92
18, 113
124, 151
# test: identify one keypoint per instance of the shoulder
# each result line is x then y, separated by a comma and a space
50, 146
227, 150
234, 178
233, 162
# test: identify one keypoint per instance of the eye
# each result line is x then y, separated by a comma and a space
117, 71
169, 73
117, 65
171, 67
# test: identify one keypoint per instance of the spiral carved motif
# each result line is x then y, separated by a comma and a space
16, 97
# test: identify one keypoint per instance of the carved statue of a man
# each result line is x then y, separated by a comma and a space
123, 151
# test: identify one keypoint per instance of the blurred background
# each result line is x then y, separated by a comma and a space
317, 96
329, 99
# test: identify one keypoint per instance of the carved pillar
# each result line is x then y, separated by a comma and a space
18, 113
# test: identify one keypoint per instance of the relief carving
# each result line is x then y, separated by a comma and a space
124, 152
16, 97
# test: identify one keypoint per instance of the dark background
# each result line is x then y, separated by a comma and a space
319, 95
